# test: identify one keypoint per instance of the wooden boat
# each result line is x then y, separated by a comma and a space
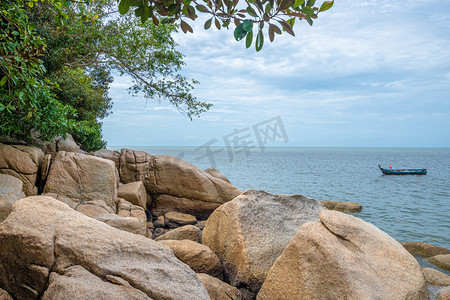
403, 171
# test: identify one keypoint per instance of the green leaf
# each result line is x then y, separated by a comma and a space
202, 8
307, 10
259, 41
298, 3
208, 24
326, 5
309, 20
124, 6
286, 4
217, 23
239, 33
3, 81
249, 39
247, 25
31, 4
310, 3
251, 11
2, 107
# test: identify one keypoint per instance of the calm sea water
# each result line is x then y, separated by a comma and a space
409, 208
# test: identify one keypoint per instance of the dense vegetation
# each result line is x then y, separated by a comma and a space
57, 62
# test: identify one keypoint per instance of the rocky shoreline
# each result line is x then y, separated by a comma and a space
132, 225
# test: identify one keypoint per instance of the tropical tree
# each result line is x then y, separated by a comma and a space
76, 58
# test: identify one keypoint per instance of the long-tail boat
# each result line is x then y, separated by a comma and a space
403, 171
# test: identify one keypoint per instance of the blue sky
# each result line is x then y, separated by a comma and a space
368, 73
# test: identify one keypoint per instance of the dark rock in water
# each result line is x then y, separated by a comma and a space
441, 260
424, 249
343, 206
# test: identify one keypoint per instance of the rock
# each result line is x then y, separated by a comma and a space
175, 219
216, 173
127, 209
4, 295
45, 166
250, 232
90, 208
35, 248
201, 224
343, 257
443, 294
61, 144
199, 257
174, 184
108, 154
80, 178
78, 283
158, 232
441, 260
10, 192
219, 290
21, 162
133, 192
187, 232
159, 222
424, 249
130, 224
435, 277
352, 207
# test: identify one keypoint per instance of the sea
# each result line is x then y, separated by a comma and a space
408, 207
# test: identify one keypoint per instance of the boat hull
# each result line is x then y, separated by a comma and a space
403, 171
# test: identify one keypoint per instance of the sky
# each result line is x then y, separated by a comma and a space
367, 74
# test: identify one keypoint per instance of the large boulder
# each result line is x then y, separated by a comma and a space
441, 260
216, 173
435, 277
174, 184
10, 192
77, 282
424, 249
250, 232
343, 257
130, 224
39, 254
59, 143
219, 290
187, 232
76, 178
22, 162
127, 209
108, 154
133, 192
200, 258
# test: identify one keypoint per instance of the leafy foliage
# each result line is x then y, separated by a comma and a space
26, 101
57, 58
258, 12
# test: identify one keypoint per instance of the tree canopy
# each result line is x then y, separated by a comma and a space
261, 13
57, 61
